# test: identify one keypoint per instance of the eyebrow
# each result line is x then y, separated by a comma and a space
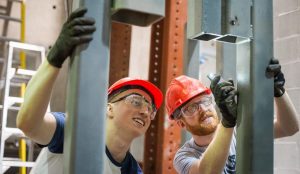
121, 98
202, 98
142, 96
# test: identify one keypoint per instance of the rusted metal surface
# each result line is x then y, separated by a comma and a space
119, 51
152, 141
163, 138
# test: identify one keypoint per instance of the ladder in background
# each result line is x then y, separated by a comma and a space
6, 15
15, 76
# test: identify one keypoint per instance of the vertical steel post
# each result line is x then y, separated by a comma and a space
166, 63
255, 129
84, 145
119, 51
207, 17
226, 57
153, 149
250, 20
192, 46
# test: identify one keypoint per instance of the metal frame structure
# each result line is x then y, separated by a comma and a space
166, 54
235, 19
20, 76
119, 51
152, 138
138, 12
249, 25
255, 129
87, 96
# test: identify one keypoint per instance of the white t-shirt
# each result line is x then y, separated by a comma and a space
50, 159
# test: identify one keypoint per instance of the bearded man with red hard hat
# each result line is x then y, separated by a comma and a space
132, 105
212, 148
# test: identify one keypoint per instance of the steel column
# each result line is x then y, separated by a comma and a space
241, 21
255, 129
138, 12
173, 56
119, 51
207, 17
163, 139
152, 150
226, 57
192, 46
84, 145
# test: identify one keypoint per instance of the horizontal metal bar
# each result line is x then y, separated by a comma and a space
7, 39
14, 162
20, 1
10, 18
26, 46
13, 108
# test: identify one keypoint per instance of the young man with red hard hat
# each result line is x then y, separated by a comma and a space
132, 105
212, 148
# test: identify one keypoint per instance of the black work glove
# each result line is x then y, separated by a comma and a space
224, 93
274, 69
77, 30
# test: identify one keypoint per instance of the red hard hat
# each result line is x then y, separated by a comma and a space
151, 88
181, 90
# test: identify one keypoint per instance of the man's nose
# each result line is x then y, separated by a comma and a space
202, 107
144, 110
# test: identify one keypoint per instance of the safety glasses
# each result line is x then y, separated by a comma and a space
192, 108
138, 101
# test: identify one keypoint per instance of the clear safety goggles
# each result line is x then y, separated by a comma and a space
192, 108
139, 102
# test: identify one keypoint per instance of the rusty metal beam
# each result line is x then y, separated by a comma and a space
119, 51
164, 137
152, 135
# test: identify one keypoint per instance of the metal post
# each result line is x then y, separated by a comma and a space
245, 20
153, 147
138, 12
255, 129
119, 51
226, 57
166, 62
84, 145
210, 14
192, 46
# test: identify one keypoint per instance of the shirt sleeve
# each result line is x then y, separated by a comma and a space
56, 144
183, 161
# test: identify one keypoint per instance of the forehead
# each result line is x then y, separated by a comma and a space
198, 98
138, 91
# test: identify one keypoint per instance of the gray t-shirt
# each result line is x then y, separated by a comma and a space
190, 152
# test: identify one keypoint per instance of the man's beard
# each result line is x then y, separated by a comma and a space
202, 128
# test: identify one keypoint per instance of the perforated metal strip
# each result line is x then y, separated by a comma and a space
151, 150
119, 51
164, 136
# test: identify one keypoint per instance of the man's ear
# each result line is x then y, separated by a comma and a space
180, 123
109, 110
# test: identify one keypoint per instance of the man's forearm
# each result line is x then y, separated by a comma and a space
286, 123
37, 97
215, 156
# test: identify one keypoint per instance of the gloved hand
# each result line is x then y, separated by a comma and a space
274, 69
224, 93
77, 30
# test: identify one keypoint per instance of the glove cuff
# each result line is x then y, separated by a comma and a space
53, 58
279, 92
228, 123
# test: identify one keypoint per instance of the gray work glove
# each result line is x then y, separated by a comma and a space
274, 69
224, 93
77, 30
